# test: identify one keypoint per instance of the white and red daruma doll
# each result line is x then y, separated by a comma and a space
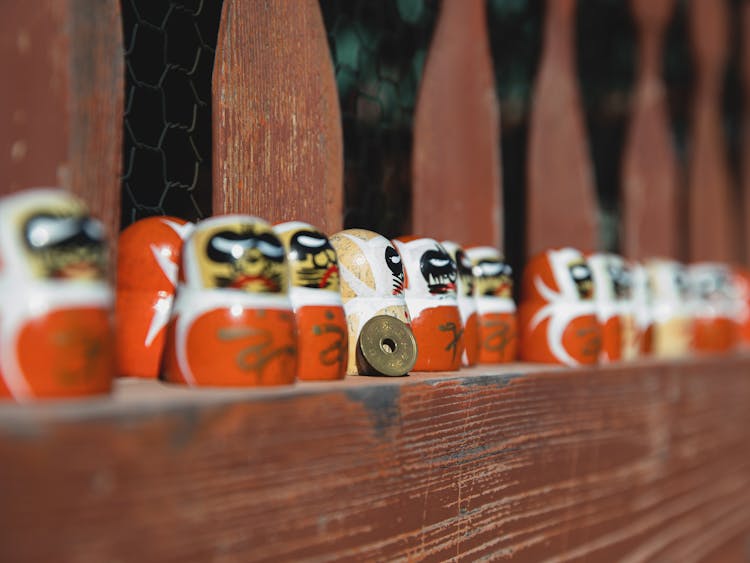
55, 304
430, 292
314, 290
381, 341
467, 304
232, 323
557, 314
715, 327
672, 329
148, 262
493, 293
615, 309
741, 282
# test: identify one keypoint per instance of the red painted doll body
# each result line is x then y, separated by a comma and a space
557, 315
467, 304
148, 262
314, 289
55, 304
715, 328
232, 323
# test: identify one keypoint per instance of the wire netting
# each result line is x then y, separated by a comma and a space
378, 50
169, 53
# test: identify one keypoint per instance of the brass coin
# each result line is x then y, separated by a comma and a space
387, 345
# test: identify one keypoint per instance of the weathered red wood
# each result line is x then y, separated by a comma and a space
561, 206
623, 463
651, 206
745, 146
61, 100
277, 141
457, 191
713, 231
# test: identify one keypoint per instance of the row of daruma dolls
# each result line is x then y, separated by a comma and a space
235, 301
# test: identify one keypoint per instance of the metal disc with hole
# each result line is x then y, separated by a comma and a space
388, 346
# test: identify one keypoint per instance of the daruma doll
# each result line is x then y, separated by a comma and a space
148, 261
467, 305
55, 303
715, 327
232, 322
493, 293
314, 290
381, 341
671, 308
430, 292
557, 314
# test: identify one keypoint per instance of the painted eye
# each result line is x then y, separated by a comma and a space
580, 272
270, 249
439, 262
94, 229
490, 269
46, 231
311, 242
233, 248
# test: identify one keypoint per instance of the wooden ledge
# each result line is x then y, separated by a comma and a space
648, 460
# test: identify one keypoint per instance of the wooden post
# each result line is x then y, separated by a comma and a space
745, 148
61, 100
650, 199
713, 230
276, 120
457, 190
561, 199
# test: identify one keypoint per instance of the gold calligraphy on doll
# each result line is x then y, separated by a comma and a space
256, 356
499, 335
456, 334
335, 353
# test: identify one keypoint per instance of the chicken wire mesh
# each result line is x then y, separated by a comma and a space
169, 53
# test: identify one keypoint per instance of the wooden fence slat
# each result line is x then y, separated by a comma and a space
277, 141
651, 206
61, 100
745, 143
713, 229
457, 193
560, 197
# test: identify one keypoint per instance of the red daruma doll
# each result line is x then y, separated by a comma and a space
314, 292
493, 292
232, 323
55, 304
430, 293
557, 314
715, 326
372, 288
467, 305
148, 261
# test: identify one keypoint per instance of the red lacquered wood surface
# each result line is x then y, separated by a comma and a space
61, 100
623, 463
561, 207
457, 192
276, 122
713, 212
651, 203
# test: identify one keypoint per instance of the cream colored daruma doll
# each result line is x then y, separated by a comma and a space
615, 308
557, 313
55, 304
467, 304
381, 341
715, 308
493, 292
672, 320
430, 292
148, 262
314, 290
232, 323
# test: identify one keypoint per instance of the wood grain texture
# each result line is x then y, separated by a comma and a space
651, 203
457, 192
61, 100
713, 215
277, 141
560, 197
647, 462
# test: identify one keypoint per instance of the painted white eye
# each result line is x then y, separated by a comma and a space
491, 269
395, 259
311, 242
94, 229
269, 249
439, 262
579, 272
235, 248
44, 231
